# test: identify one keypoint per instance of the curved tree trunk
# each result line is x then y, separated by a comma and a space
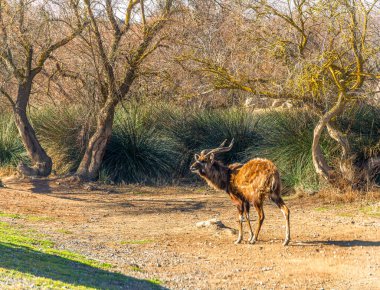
346, 166
93, 156
41, 162
319, 161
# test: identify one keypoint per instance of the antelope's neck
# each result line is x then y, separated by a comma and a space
218, 177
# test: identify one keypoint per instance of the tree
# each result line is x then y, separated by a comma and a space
28, 32
323, 53
115, 51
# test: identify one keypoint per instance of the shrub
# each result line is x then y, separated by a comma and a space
11, 148
63, 133
361, 124
138, 151
287, 136
203, 129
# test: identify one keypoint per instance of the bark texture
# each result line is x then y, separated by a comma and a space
93, 156
41, 162
320, 164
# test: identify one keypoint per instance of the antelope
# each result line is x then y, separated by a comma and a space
246, 184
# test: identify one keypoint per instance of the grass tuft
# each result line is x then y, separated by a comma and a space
11, 148
138, 151
63, 137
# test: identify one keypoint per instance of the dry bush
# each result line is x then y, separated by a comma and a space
333, 195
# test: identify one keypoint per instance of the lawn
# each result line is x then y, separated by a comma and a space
29, 259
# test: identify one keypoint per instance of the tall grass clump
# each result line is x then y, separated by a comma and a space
287, 139
361, 124
195, 130
138, 151
63, 133
11, 148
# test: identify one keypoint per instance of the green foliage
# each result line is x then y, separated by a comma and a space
203, 129
287, 136
11, 148
156, 143
361, 125
63, 133
138, 151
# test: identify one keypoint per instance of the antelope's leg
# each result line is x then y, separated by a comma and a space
286, 212
240, 236
260, 211
246, 212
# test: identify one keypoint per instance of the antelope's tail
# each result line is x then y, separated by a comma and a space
275, 185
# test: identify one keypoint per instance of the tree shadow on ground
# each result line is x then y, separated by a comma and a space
341, 243
41, 185
157, 206
57, 268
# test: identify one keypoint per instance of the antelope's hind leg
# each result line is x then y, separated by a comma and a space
246, 212
286, 212
260, 211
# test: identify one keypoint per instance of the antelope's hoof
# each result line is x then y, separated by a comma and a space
237, 241
252, 241
286, 242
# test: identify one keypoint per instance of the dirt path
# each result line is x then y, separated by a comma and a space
151, 232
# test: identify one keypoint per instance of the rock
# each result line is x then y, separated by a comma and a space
89, 187
210, 222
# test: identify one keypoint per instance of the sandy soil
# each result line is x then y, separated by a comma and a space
154, 230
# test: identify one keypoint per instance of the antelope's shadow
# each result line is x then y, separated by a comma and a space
340, 243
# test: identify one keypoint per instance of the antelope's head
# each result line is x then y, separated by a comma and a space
204, 161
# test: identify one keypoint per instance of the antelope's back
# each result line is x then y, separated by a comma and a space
256, 175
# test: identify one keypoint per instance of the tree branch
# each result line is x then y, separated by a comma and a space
46, 53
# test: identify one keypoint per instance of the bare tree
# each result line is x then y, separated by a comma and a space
28, 32
116, 45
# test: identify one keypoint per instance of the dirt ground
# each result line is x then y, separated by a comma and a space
152, 232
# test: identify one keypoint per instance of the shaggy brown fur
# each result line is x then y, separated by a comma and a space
246, 184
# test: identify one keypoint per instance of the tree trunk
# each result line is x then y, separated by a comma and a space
93, 156
319, 161
346, 165
41, 162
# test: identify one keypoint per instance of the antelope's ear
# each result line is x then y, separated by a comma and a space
196, 156
212, 156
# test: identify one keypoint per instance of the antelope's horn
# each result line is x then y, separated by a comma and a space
221, 148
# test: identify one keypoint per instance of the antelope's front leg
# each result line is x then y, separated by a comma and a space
251, 236
240, 236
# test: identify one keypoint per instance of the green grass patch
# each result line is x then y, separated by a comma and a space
34, 218
346, 214
64, 231
136, 242
321, 209
31, 218
10, 215
371, 210
28, 258
136, 268
155, 281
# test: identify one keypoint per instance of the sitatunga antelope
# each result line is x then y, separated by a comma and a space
246, 184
